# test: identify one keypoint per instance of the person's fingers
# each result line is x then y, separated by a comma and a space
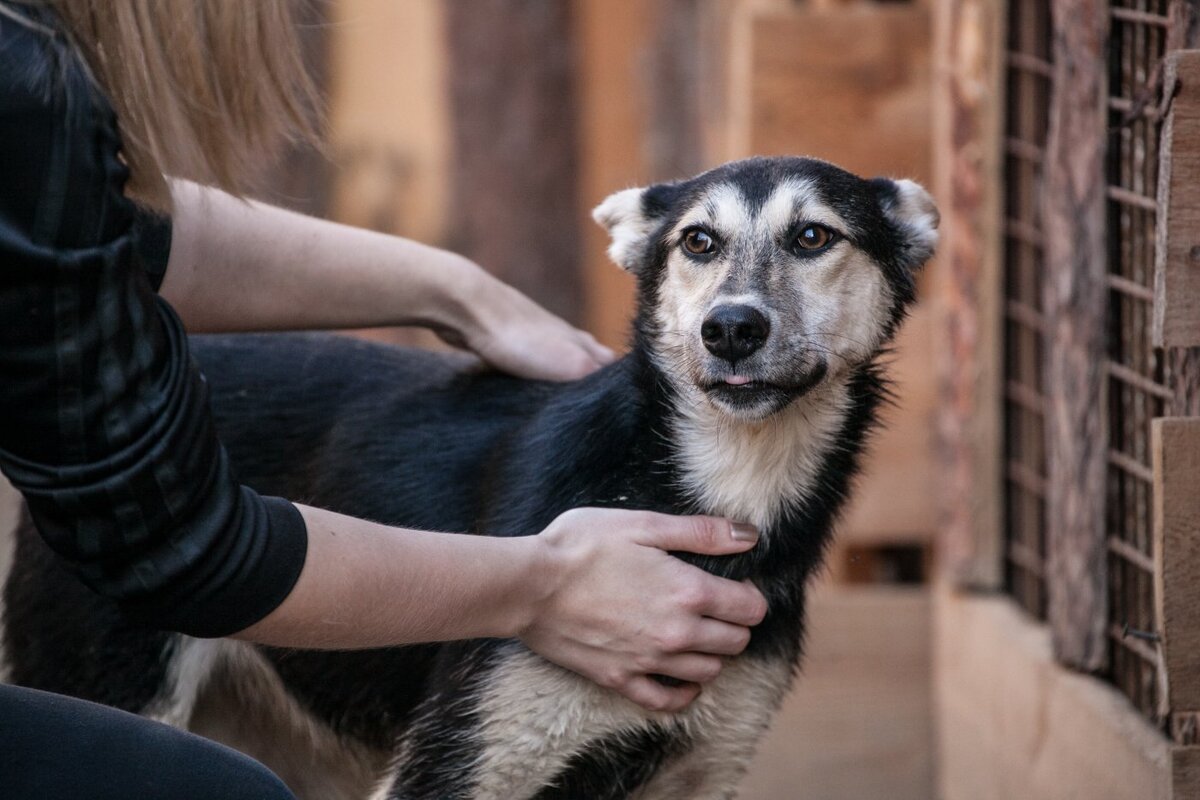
708, 535
689, 667
603, 355
719, 638
654, 696
576, 364
731, 601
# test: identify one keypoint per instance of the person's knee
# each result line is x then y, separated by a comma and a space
259, 783
233, 775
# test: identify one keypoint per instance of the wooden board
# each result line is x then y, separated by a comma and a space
830, 83
1076, 302
514, 165
389, 127
1185, 773
1176, 451
968, 92
609, 33
1177, 255
638, 125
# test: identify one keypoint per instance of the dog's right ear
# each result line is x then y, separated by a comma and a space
631, 218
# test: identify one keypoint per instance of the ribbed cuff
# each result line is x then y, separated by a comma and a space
261, 571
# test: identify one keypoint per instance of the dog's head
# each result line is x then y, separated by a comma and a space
762, 278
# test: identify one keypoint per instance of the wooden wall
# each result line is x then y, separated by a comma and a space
389, 125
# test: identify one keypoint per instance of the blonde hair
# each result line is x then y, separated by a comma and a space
204, 89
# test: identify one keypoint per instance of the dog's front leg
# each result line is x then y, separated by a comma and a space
508, 725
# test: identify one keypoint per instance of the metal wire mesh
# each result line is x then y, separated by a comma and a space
1136, 46
1026, 121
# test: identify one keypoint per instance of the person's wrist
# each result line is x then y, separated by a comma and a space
547, 567
453, 280
468, 297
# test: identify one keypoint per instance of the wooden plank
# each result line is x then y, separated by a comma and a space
1176, 449
1183, 379
824, 83
389, 137
1177, 255
1183, 363
303, 178
1075, 303
646, 106
610, 35
1185, 773
514, 167
968, 136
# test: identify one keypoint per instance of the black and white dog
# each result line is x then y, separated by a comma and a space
766, 290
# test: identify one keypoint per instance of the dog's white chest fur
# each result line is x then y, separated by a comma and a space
751, 472
535, 716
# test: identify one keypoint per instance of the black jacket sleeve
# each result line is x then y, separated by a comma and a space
104, 419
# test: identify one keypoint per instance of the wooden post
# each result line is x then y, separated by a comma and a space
674, 89
1185, 773
1176, 270
1075, 304
514, 162
303, 178
1174, 490
1175, 443
968, 81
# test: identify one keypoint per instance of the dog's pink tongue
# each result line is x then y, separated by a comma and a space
737, 380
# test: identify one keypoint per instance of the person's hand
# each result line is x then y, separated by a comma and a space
515, 335
622, 609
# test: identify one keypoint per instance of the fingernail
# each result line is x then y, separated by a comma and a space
743, 532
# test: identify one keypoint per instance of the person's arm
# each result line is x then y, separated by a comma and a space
237, 265
595, 592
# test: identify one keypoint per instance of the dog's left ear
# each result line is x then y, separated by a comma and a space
631, 218
912, 210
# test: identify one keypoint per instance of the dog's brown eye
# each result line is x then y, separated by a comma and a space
698, 243
813, 237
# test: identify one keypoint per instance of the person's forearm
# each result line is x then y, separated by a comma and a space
238, 265
370, 585
596, 592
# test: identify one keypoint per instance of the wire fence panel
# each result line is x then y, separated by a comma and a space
1136, 394
1028, 54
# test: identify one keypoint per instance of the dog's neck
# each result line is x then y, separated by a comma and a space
749, 471
756, 471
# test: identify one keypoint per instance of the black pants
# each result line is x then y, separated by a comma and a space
58, 748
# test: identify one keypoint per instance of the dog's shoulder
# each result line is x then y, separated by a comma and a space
601, 441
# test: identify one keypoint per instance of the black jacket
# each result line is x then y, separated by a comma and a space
104, 419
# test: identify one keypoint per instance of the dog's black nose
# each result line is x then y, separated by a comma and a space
734, 332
